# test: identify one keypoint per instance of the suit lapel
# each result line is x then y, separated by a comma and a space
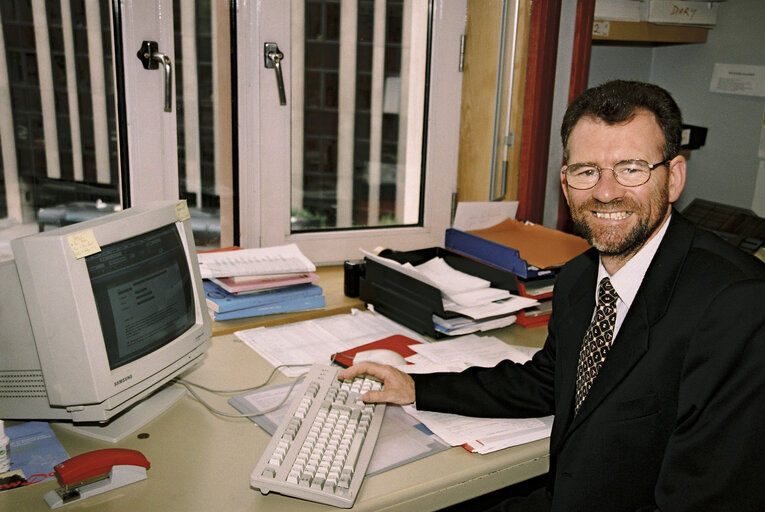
581, 304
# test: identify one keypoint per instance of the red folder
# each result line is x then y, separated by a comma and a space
398, 343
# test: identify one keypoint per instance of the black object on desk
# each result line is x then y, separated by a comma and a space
351, 275
413, 303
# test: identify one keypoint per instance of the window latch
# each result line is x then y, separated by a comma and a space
151, 59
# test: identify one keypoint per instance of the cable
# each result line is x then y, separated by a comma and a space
244, 390
189, 385
210, 408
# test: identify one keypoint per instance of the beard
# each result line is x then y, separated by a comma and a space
615, 242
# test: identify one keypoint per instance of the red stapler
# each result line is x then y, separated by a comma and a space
94, 473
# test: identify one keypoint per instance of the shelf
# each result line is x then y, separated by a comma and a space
644, 33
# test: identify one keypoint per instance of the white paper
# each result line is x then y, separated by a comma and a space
465, 325
761, 149
476, 297
469, 350
282, 259
758, 204
483, 435
738, 79
314, 341
479, 215
436, 273
406, 269
485, 310
449, 280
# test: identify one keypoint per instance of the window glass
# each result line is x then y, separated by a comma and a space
58, 129
195, 107
355, 133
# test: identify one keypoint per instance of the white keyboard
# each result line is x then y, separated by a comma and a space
322, 448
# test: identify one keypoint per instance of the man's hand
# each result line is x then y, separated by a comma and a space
398, 386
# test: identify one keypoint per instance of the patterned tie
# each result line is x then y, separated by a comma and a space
597, 340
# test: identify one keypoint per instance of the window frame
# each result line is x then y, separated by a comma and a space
148, 156
264, 176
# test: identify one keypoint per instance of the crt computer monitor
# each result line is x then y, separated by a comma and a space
98, 317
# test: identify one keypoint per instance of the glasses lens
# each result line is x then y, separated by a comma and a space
582, 176
632, 173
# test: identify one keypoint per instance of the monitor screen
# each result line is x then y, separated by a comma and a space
143, 293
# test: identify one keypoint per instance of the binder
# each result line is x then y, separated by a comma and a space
526, 250
411, 302
287, 306
533, 253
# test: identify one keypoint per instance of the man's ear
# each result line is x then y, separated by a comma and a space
676, 177
563, 183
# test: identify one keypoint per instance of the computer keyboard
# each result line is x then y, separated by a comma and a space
321, 449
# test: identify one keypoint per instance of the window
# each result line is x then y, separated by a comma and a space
364, 152
60, 136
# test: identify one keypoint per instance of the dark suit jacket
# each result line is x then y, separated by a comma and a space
675, 420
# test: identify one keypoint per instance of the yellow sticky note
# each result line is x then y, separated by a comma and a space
83, 244
182, 211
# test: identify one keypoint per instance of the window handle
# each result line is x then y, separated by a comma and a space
273, 60
151, 58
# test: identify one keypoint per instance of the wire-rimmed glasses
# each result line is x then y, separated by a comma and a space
629, 173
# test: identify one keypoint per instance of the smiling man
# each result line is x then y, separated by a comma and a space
655, 356
619, 208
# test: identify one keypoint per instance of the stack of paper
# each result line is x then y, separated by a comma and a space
242, 283
479, 435
478, 305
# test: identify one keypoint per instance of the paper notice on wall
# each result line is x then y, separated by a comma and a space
483, 214
761, 151
758, 203
738, 79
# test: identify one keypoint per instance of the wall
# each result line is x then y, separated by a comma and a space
725, 169
607, 63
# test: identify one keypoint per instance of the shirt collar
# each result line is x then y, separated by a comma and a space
627, 279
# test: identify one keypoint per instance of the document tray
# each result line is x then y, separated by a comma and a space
411, 302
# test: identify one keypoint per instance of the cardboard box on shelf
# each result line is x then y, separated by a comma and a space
674, 12
682, 12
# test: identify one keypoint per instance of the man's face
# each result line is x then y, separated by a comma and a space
615, 219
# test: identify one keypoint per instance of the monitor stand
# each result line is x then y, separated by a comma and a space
131, 420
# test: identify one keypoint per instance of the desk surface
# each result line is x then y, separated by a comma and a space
200, 461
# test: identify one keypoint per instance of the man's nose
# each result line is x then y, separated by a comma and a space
607, 189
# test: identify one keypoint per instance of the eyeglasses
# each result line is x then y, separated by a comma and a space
629, 173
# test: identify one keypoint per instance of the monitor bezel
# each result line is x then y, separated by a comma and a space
62, 312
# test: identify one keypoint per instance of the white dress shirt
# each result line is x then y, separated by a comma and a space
627, 279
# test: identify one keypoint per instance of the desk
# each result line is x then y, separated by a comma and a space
200, 461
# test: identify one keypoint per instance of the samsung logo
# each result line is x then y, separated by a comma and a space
117, 383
